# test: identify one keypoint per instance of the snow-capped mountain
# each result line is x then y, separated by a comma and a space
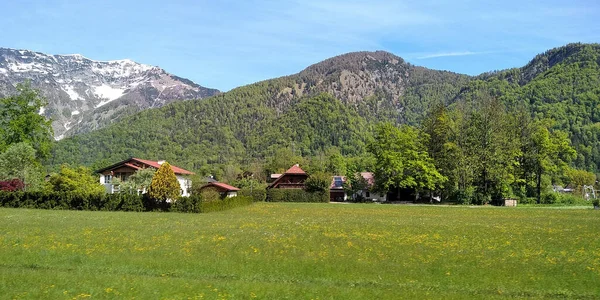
85, 94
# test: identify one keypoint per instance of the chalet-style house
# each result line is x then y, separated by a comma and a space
367, 193
293, 178
225, 190
336, 189
122, 170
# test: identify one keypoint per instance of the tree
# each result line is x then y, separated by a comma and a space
12, 185
281, 160
548, 153
20, 121
437, 129
318, 183
139, 181
75, 180
579, 178
19, 162
354, 182
402, 160
164, 184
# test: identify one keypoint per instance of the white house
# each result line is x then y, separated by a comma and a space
367, 193
126, 168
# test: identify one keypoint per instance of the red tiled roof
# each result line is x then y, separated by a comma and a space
155, 164
295, 169
332, 185
221, 185
368, 176
131, 163
133, 166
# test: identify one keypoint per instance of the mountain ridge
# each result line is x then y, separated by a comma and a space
78, 88
256, 120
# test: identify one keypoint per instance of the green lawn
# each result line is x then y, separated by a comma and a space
302, 251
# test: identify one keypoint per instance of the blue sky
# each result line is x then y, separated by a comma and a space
225, 44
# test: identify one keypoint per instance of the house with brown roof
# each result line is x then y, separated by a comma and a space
293, 178
336, 189
368, 193
124, 169
225, 190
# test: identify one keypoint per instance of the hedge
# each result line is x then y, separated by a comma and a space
115, 202
257, 194
296, 195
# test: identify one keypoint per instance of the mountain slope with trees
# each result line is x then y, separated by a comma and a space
255, 120
331, 107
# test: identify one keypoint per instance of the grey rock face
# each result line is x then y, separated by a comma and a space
85, 94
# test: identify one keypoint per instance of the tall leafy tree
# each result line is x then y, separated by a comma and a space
402, 160
164, 184
20, 121
19, 162
549, 154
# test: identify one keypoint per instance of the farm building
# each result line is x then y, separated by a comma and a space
293, 178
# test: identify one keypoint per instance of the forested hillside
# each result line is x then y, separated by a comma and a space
563, 85
330, 104
333, 104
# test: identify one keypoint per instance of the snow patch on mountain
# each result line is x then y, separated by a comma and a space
77, 88
72, 93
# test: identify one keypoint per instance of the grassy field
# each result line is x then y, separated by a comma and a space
302, 251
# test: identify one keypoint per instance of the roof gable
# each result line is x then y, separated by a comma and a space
295, 170
222, 186
131, 162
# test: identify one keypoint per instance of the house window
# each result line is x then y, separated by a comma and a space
368, 194
107, 179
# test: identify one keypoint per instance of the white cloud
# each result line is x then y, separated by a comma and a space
446, 54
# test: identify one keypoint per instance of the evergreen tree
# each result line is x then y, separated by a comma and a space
164, 184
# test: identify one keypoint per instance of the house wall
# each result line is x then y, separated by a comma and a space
291, 181
375, 197
184, 183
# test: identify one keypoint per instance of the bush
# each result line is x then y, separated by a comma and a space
225, 204
190, 204
570, 199
318, 182
210, 194
550, 198
12, 185
296, 195
596, 202
117, 202
257, 194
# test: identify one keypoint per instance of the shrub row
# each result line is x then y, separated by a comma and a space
195, 204
257, 194
115, 202
296, 195
557, 199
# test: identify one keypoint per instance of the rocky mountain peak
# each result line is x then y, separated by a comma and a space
85, 94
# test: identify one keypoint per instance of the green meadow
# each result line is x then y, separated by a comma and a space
302, 251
